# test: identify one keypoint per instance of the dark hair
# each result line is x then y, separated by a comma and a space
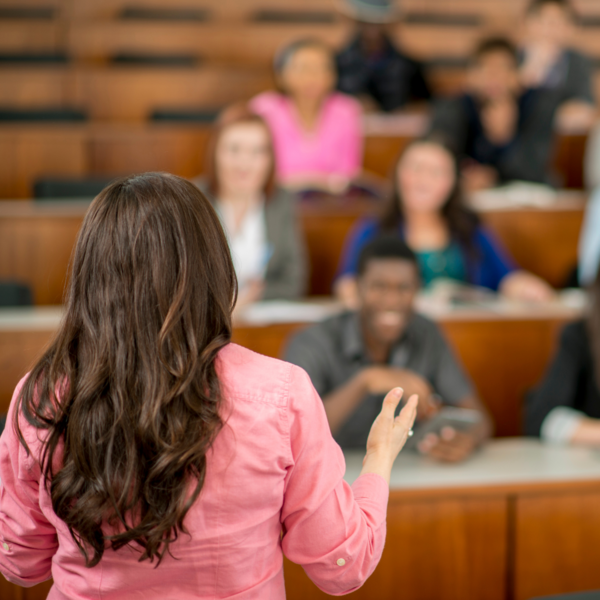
128, 391
283, 55
236, 114
461, 221
382, 247
495, 44
535, 6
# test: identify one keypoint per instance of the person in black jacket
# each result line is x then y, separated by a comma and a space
549, 62
371, 67
502, 131
565, 407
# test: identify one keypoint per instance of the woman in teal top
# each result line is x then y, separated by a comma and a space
427, 211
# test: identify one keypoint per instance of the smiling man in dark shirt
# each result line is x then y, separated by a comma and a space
353, 359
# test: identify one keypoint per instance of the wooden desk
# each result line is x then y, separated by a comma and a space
515, 521
505, 347
37, 238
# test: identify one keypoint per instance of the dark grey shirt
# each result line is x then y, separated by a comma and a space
333, 352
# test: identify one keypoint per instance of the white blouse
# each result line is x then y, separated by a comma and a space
250, 250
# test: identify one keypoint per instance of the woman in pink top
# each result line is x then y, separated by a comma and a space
146, 456
316, 131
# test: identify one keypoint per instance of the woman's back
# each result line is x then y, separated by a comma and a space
259, 482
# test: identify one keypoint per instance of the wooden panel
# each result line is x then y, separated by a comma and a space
505, 359
451, 549
18, 352
325, 233
543, 242
131, 94
28, 87
557, 544
30, 36
29, 152
36, 251
126, 150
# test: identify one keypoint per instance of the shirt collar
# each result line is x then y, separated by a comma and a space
353, 344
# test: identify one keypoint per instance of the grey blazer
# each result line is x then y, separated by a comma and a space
286, 274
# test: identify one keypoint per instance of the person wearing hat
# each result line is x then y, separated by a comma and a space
370, 66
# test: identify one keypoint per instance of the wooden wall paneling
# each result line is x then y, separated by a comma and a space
448, 549
325, 233
130, 149
504, 359
557, 544
244, 43
381, 152
36, 251
18, 352
31, 151
30, 36
543, 242
31, 87
132, 93
568, 159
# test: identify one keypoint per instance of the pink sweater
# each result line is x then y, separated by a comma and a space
274, 469
335, 147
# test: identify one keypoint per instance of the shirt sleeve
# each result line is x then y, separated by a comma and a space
589, 241
449, 378
559, 386
28, 541
496, 262
334, 530
359, 235
581, 75
308, 350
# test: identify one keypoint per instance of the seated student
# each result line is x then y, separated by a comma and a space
353, 358
263, 233
426, 210
565, 408
501, 131
548, 61
589, 241
316, 130
371, 67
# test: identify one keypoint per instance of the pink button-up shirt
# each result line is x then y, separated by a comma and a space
274, 485
333, 148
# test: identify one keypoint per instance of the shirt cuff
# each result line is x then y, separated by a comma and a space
560, 424
371, 492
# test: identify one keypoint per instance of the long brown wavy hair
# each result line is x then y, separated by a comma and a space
461, 221
128, 391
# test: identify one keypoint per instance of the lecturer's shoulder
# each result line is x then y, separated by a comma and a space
247, 374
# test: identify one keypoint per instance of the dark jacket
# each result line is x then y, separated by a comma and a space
286, 275
392, 79
568, 382
526, 157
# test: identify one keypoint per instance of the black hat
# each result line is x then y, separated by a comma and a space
370, 11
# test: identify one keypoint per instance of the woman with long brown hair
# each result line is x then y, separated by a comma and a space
426, 209
145, 455
259, 217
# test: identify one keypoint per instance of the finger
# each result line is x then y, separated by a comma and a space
448, 433
390, 403
407, 415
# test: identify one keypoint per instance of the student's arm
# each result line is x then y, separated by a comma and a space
286, 277
550, 410
450, 381
27, 540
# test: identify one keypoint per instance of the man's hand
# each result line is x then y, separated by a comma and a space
450, 446
380, 379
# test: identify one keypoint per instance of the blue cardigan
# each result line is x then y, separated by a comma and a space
486, 265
